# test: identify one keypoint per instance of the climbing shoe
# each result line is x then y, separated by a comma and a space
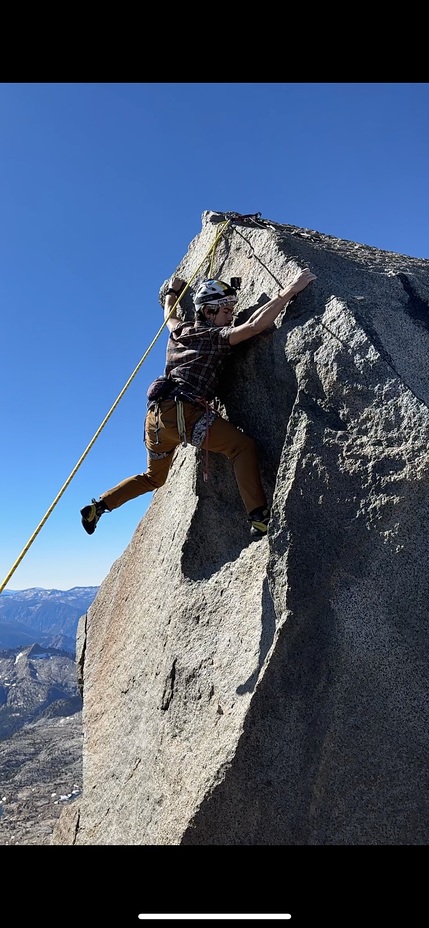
91, 514
259, 519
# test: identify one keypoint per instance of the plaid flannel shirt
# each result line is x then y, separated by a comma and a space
195, 354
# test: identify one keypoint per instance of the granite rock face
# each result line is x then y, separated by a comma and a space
276, 692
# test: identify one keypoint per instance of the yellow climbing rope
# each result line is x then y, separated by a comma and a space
211, 250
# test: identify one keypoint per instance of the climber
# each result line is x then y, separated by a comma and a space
180, 406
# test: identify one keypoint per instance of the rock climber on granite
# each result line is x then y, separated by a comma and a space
179, 403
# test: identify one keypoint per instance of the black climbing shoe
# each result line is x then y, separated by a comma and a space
91, 514
259, 519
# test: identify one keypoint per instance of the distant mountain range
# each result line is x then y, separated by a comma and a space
46, 617
40, 741
40, 709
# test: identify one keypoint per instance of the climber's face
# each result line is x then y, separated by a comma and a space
224, 314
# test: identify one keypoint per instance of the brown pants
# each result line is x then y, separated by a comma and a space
162, 437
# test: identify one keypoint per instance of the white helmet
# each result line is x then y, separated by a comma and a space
214, 291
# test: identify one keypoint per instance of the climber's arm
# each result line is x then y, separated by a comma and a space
172, 300
265, 315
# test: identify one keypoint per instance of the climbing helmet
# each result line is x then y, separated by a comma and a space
214, 291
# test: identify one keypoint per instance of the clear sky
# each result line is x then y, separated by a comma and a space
102, 189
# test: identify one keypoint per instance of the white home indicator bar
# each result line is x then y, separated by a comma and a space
221, 916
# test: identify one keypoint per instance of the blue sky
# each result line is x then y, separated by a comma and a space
102, 189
